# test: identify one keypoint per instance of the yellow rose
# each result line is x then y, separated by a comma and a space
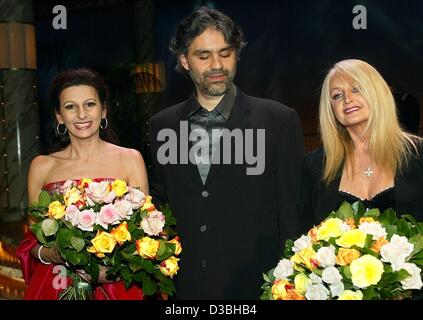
279, 290
306, 257
351, 238
119, 187
121, 233
331, 228
378, 244
346, 256
301, 282
56, 210
102, 243
178, 247
366, 271
72, 196
351, 295
169, 267
148, 205
147, 247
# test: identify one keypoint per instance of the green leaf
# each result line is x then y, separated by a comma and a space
359, 209
64, 237
403, 227
345, 211
368, 293
417, 241
95, 270
77, 243
41, 237
149, 287
127, 277
44, 199
266, 278
346, 272
369, 240
388, 217
373, 213
50, 227
403, 274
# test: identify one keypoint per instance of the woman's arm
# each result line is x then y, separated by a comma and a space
38, 169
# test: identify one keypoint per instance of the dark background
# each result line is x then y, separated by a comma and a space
291, 45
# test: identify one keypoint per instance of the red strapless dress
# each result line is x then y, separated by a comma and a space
39, 277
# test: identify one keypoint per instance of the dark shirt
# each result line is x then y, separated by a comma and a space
201, 118
383, 200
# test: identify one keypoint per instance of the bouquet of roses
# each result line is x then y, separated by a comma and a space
353, 254
108, 223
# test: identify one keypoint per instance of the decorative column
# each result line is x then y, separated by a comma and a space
18, 107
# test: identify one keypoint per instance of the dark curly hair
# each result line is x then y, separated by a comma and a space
77, 77
196, 23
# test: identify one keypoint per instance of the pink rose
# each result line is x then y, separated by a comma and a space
107, 216
135, 197
97, 191
86, 220
71, 215
124, 209
153, 224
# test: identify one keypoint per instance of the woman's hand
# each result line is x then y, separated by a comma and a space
101, 276
52, 255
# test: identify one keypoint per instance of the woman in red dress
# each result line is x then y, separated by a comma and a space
79, 98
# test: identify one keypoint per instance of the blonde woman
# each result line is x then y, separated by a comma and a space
366, 155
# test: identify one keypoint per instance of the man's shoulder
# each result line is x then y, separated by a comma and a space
168, 114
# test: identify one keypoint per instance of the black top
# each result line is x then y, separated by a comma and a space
382, 200
318, 199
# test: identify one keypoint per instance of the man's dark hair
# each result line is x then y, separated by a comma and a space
196, 23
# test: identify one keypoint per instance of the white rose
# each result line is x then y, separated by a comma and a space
283, 270
317, 292
124, 209
302, 243
396, 251
336, 289
153, 224
315, 278
331, 275
135, 197
326, 256
71, 214
414, 281
98, 191
107, 216
86, 220
373, 228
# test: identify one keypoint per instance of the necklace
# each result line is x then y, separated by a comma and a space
368, 172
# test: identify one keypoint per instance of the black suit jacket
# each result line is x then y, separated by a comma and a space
232, 228
319, 199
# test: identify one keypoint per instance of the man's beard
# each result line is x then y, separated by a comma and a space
216, 88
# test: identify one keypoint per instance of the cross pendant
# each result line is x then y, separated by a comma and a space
368, 172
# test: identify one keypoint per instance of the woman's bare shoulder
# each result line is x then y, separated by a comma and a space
124, 153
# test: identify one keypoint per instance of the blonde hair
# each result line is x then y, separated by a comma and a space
389, 146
